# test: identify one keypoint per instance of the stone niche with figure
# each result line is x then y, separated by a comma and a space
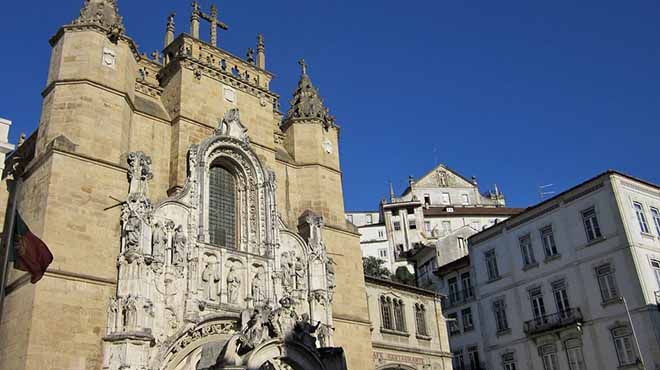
211, 278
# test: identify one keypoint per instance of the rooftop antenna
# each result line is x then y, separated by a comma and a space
545, 190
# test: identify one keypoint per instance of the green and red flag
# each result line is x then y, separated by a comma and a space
29, 252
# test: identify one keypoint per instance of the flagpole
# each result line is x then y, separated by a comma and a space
8, 237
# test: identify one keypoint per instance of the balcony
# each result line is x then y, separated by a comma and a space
555, 321
458, 298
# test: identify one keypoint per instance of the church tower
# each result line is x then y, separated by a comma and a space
183, 211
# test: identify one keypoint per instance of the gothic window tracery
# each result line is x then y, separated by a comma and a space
222, 207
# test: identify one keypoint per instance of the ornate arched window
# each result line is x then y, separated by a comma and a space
399, 317
420, 318
386, 313
222, 207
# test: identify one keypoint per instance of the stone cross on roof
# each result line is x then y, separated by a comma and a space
214, 21
303, 66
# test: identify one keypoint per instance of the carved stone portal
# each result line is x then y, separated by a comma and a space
179, 296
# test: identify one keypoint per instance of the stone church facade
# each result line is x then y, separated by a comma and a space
193, 225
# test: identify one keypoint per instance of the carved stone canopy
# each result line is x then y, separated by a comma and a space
307, 103
104, 13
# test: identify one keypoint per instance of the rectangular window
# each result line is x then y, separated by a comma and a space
574, 355
509, 361
527, 250
655, 265
656, 219
607, 282
623, 343
549, 245
399, 250
538, 305
382, 253
457, 360
370, 219
466, 280
427, 199
420, 319
561, 298
412, 223
386, 313
397, 225
465, 198
381, 234
499, 311
491, 265
446, 199
549, 357
473, 356
462, 245
452, 322
591, 226
466, 316
427, 226
454, 295
641, 217
446, 227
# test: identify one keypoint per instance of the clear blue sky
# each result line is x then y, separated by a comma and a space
518, 93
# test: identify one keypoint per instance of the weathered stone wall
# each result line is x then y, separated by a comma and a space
74, 184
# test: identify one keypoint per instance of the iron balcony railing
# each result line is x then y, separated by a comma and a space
458, 297
561, 319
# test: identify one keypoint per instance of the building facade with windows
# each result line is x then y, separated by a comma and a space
408, 329
435, 206
555, 284
373, 236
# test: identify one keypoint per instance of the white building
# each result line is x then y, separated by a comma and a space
5, 146
438, 204
550, 282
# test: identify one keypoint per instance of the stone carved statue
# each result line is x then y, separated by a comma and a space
132, 230
113, 315
300, 273
139, 172
211, 281
233, 285
323, 335
178, 245
231, 126
257, 329
258, 286
159, 240
286, 272
303, 331
131, 314
284, 318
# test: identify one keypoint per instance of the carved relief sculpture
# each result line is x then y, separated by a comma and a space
233, 284
211, 281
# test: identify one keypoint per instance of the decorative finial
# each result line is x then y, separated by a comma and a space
303, 66
261, 52
169, 30
249, 56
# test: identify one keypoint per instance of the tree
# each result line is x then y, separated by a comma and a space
404, 276
374, 267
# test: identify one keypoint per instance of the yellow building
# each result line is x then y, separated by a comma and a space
124, 180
